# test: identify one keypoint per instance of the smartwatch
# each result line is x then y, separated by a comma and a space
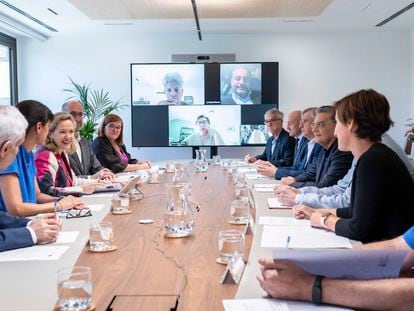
317, 290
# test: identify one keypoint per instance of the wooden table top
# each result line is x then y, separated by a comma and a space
139, 276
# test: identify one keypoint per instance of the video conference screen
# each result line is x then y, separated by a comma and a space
217, 104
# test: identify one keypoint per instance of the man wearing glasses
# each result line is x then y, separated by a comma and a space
280, 147
83, 161
331, 164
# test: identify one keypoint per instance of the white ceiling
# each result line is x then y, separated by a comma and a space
216, 16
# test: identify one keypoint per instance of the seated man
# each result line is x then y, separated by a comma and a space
306, 147
280, 147
17, 232
338, 195
84, 162
283, 280
331, 164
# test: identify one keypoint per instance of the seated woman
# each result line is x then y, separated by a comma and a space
381, 195
205, 136
54, 174
110, 150
19, 191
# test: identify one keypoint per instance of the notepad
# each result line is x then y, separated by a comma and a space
253, 176
301, 237
95, 207
38, 252
264, 189
277, 204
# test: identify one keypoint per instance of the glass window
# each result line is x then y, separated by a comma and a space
8, 76
4, 76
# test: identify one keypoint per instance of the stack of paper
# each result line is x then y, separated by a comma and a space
253, 176
346, 263
254, 304
283, 221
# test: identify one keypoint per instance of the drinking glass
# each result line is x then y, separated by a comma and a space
216, 160
154, 177
100, 236
240, 210
170, 168
74, 288
120, 203
230, 243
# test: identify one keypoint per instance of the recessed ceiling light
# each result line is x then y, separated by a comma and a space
52, 11
118, 24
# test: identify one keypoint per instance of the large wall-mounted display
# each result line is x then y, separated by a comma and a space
202, 104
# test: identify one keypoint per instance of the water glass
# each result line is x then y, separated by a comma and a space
154, 177
240, 210
216, 160
74, 288
230, 243
120, 203
170, 168
100, 236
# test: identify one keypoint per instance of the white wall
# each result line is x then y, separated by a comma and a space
315, 68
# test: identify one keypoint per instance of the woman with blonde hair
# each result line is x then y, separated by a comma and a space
19, 191
54, 174
110, 149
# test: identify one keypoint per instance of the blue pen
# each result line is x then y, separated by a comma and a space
288, 241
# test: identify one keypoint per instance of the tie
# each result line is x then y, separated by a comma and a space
273, 146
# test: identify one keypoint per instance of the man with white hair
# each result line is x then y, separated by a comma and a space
17, 232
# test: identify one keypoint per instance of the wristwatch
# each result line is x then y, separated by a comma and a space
324, 217
317, 290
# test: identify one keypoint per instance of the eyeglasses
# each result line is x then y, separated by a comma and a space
78, 213
320, 125
114, 127
77, 114
202, 121
271, 121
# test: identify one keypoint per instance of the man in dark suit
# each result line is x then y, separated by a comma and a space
331, 164
280, 147
84, 162
299, 126
17, 232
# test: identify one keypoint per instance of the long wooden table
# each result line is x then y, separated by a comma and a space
142, 274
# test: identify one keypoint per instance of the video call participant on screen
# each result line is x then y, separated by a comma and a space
241, 93
110, 149
83, 162
20, 192
381, 193
173, 89
206, 136
280, 147
54, 173
18, 232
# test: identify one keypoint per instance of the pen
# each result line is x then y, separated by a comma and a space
288, 241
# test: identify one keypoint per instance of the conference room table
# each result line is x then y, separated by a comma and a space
149, 271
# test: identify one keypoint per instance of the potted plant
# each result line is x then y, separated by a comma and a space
96, 105
409, 134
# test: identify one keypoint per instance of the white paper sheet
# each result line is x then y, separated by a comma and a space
274, 202
100, 195
264, 189
253, 176
247, 169
301, 237
283, 221
346, 263
95, 207
265, 185
38, 252
67, 237
254, 304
